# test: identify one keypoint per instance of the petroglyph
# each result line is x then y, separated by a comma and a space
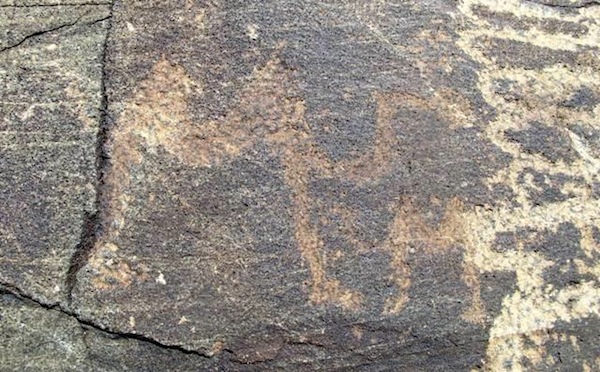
409, 232
270, 109
522, 97
155, 116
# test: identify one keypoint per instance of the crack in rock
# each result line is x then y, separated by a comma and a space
91, 223
21, 295
54, 29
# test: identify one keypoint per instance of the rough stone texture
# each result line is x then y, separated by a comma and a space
35, 338
50, 73
50, 3
574, 4
302, 185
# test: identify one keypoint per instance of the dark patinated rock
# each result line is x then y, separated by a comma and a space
303, 185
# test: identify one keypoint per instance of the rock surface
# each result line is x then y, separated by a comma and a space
51, 78
241, 185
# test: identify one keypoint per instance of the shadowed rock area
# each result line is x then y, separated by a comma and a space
315, 185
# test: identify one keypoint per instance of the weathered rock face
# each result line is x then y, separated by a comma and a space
51, 74
33, 338
371, 185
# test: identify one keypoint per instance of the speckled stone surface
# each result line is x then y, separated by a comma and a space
249, 185
50, 78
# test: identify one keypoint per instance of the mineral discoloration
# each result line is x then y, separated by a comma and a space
519, 334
